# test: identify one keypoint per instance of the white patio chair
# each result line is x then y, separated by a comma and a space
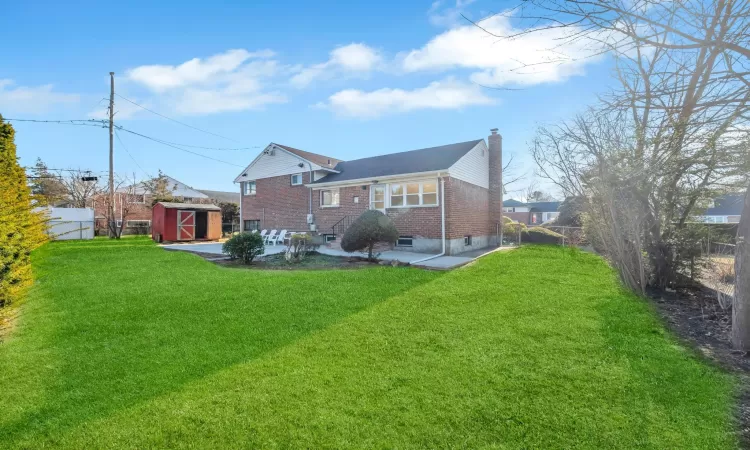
270, 237
279, 239
263, 234
254, 232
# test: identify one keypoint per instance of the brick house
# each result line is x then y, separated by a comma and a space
531, 213
137, 200
440, 198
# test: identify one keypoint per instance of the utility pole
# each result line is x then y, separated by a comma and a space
111, 210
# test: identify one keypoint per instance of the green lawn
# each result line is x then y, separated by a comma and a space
122, 344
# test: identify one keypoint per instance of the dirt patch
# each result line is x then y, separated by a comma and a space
8, 318
695, 315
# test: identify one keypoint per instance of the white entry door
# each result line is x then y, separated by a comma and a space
377, 197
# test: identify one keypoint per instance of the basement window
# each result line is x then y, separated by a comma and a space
405, 241
467, 240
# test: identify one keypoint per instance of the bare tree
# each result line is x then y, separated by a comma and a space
741, 304
126, 198
80, 188
684, 90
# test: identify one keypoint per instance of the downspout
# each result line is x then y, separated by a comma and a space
442, 222
242, 222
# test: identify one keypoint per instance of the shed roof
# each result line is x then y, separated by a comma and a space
415, 161
172, 205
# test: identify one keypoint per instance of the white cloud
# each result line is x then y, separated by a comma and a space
446, 94
349, 59
528, 59
32, 99
450, 16
161, 77
235, 80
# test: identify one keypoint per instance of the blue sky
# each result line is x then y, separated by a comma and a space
345, 79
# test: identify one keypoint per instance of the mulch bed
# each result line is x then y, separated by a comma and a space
695, 316
313, 261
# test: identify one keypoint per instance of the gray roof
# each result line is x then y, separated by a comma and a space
544, 206
423, 160
727, 205
172, 205
538, 206
222, 196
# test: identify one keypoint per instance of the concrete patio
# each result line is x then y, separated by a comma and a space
439, 263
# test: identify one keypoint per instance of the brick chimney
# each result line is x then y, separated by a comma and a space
495, 147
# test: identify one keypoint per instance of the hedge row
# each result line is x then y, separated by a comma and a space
21, 229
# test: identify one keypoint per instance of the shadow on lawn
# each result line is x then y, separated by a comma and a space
133, 322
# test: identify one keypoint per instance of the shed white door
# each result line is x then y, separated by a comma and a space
185, 225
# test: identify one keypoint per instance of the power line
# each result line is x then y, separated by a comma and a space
83, 122
176, 147
104, 124
174, 120
117, 135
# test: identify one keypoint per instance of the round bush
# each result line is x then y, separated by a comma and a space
539, 235
244, 246
367, 230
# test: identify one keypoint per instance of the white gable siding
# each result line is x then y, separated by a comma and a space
274, 165
473, 167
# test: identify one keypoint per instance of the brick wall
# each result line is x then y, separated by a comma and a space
467, 210
278, 204
423, 222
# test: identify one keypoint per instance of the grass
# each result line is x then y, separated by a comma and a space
122, 344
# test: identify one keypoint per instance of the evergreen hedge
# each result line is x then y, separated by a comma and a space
21, 229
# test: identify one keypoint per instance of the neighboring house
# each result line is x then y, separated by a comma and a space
531, 213
725, 209
451, 194
222, 196
133, 204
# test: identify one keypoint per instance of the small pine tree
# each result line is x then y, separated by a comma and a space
21, 229
369, 229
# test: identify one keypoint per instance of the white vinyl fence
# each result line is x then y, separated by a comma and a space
70, 223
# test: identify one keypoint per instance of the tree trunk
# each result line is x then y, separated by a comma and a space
741, 304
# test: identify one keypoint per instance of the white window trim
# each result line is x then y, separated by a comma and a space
331, 205
421, 194
245, 190
291, 179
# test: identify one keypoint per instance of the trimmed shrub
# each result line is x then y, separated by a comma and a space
300, 245
21, 229
367, 230
539, 235
244, 246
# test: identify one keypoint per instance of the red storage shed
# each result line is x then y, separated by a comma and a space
185, 222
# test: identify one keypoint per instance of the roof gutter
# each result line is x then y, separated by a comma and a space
368, 180
442, 222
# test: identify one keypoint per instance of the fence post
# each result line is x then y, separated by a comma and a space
563, 235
